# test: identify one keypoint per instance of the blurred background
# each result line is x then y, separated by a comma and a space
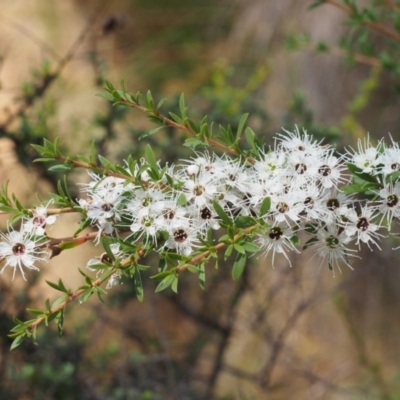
277, 333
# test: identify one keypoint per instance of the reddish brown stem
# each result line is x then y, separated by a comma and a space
371, 24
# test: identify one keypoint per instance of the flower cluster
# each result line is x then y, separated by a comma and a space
309, 187
23, 248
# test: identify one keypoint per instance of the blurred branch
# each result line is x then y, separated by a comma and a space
48, 79
392, 4
33, 37
371, 24
230, 313
360, 58
363, 357
266, 372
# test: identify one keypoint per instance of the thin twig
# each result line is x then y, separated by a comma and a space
392, 5
169, 122
371, 24
48, 79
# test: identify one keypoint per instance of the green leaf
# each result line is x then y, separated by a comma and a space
194, 142
221, 213
138, 286
152, 132
182, 106
349, 189
85, 295
245, 221
242, 122
60, 286
251, 247
61, 168
161, 102
239, 248
35, 311
104, 162
265, 206
202, 276
295, 240
174, 285
107, 96
362, 175
17, 341
166, 282
150, 158
181, 200
310, 242
176, 118
250, 137
60, 322
238, 266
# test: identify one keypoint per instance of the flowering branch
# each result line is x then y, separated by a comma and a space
261, 200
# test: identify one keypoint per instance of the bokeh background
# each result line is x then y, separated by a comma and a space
278, 333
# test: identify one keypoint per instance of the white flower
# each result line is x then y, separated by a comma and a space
105, 258
19, 250
270, 163
200, 190
390, 202
335, 205
389, 160
301, 168
313, 203
361, 226
102, 186
114, 280
330, 246
145, 223
329, 171
204, 218
277, 239
104, 211
365, 158
287, 206
170, 213
301, 142
182, 239
39, 220
145, 201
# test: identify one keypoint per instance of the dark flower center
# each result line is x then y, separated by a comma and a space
19, 249
169, 214
300, 168
146, 201
362, 224
275, 233
39, 220
332, 241
395, 167
282, 207
392, 200
107, 206
198, 190
205, 213
309, 202
333, 204
105, 258
180, 235
324, 170
232, 177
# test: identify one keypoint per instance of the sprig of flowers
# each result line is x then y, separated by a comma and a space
260, 200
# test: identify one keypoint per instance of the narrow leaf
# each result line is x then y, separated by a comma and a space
238, 266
